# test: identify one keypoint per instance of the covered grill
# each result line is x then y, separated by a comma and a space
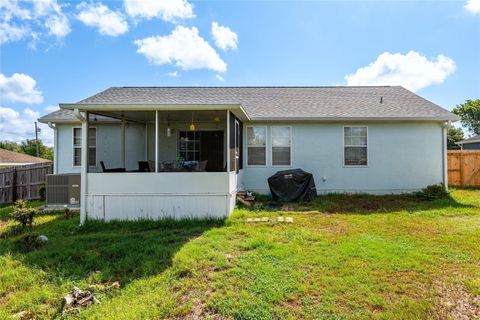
292, 185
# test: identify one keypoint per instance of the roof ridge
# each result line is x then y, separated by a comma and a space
252, 87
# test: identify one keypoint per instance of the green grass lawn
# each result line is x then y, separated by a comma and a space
344, 257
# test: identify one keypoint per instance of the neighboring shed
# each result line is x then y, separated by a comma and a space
472, 143
11, 159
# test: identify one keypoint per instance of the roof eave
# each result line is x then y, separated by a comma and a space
328, 119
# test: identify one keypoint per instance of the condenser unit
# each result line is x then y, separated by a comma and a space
63, 189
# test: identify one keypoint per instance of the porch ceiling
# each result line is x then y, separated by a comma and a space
164, 116
118, 109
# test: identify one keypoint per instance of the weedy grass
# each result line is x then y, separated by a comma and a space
343, 257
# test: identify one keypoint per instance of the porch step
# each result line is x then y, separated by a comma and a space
243, 198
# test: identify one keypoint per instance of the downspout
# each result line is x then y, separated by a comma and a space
83, 173
55, 146
445, 153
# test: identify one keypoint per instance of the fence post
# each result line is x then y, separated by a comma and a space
461, 169
14, 184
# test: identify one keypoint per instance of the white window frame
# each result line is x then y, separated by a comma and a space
343, 148
73, 146
266, 147
271, 147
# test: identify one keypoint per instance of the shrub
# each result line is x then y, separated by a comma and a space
432, 192
42, 192
22, 213
28, 242
67, 213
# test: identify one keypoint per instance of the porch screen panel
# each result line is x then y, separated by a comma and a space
235, 140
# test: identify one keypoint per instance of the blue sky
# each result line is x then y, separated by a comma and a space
54, 52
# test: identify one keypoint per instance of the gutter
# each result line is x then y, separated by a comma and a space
445, 127
55, 146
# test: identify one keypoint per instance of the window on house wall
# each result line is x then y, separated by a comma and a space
355, 146
189, 145
256, 146
281, 146
92, 146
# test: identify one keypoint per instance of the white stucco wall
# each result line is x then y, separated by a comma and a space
402, 157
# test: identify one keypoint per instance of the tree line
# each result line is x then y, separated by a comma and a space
469, 113
29, 147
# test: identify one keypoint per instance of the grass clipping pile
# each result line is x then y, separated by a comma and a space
76, 300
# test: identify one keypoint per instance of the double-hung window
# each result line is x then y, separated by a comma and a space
281, 145
257, 146
77, 146
355, 142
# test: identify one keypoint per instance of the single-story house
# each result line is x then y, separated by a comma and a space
154, 152
12, 159
472, 143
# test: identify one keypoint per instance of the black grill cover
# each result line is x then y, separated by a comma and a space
292, 185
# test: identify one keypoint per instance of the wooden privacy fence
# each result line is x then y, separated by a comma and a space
464, 168
23, 182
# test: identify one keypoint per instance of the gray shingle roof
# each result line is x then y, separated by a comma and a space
287, 103
474, 139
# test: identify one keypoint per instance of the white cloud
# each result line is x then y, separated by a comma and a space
473, 6
11, 33
10, 9
97, 15
51, 108
219, 77
413, 71
58, 26
16, 126
18, 19
224, 37
56, 22
173, 74
167, 10
19, 88
184, 47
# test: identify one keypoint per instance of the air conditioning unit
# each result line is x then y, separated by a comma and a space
63, 189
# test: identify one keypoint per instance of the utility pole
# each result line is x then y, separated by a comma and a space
37, 130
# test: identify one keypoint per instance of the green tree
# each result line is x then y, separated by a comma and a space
10, 145
469, 112
29, 146
454, 135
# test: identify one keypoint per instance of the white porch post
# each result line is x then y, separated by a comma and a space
123, 143
156, 140
228, 140
84, 170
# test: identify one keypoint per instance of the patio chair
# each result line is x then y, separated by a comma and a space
202, 165
143, 166
112, 169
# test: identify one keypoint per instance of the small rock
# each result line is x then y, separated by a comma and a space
256, 220
43, 238
289, 220
115, 285
281, 219
264, 219
25, 315
249, 220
